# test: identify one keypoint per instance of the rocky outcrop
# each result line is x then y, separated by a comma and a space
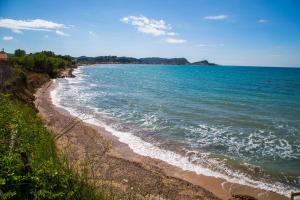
66, 73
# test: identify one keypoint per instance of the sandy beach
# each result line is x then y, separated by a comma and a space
113, 163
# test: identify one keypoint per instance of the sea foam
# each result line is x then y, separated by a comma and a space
144, 148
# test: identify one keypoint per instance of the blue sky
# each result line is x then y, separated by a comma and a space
231, 32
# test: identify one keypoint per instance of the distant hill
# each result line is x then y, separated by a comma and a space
203, 62
107, 59
130, 60
168, 61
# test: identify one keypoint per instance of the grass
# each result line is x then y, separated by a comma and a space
29, 165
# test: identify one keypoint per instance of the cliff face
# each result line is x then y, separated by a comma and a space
23, 83
20, 83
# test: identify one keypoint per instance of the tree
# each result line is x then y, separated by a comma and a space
29, 61
20, 53
48, 53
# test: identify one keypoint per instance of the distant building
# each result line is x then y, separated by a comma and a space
3, 55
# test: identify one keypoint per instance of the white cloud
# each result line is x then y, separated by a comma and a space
263, 21
17, 31
174, 41
36, 24
149, 26
17, 26
91, 33
7, 38
58, 32
216, 17
211, 45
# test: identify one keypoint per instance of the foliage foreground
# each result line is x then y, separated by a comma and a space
29, 165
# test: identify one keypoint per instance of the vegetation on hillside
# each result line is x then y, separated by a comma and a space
29, 165
44, 62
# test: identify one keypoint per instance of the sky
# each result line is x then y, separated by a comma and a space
228, 32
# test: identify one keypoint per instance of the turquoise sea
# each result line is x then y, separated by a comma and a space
238, 123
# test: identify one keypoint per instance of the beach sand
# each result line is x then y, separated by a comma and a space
114, 165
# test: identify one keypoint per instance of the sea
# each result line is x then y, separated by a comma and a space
238, 123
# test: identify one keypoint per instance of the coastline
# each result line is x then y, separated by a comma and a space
115, 161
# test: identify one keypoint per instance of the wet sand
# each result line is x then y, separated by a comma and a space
112, 162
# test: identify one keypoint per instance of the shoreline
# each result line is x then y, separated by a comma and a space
111, 148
